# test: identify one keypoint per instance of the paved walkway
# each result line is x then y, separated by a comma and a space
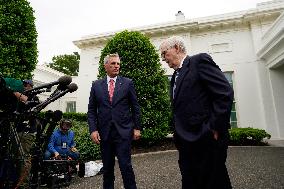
279, 143
249, 168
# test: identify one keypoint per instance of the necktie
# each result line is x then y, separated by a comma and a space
176, 76
111, 89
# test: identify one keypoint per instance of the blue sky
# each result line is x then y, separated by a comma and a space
59, 22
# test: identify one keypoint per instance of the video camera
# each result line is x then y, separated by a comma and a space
8, 101
13, 112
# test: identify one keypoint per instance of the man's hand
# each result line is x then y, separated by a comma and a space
73, 149
21, 97
95, 136
56, 155
136, 134
215, 134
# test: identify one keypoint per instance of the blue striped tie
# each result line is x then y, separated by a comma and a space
176, 76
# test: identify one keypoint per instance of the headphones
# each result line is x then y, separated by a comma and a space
66, 122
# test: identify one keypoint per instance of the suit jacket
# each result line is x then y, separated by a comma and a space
203, 98
123, 112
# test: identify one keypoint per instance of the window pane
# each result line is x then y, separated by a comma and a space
233, 124
71, 106
234, 106
233, 119
233, 116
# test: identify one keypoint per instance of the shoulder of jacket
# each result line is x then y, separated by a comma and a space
125, 79
97, 81
200, 56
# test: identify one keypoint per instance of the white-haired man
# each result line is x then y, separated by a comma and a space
201, 104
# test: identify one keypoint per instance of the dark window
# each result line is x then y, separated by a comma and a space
71, 106
233, 119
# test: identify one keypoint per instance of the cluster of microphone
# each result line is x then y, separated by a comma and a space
64, 86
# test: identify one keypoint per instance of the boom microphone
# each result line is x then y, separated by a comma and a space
59, 88
57, 115
70, 88
63, 81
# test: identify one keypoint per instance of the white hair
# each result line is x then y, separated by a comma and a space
107, 57
172, 41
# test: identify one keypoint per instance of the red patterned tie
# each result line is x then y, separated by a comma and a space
111, 89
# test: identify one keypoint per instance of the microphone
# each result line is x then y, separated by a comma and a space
70, 88
57, 115
63, 81
52, 119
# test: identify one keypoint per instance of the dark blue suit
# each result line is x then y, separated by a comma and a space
202, 103
115, 123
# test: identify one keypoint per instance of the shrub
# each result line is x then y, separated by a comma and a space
248, 136
141, 63
18, 48
87, 148
76, 116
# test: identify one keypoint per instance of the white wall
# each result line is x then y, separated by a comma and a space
43, 74
277, 83
88, 72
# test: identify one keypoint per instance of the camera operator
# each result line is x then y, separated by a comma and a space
13, 100
11, 94
62, 142
28, 127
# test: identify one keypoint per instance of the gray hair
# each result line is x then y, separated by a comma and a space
172, 41
107, 57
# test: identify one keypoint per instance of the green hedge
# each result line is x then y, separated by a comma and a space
87, 148
238, 137
91, 151
18, 39
248, 136
76, 116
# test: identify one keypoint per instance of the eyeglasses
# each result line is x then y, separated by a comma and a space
163, 53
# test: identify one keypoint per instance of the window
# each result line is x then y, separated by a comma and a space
233, 119
71, 106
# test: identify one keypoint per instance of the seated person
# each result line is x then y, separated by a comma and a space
62, 143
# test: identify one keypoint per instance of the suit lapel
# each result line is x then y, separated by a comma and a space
182, 73
105, 89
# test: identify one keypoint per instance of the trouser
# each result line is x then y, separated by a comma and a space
27, 141
116, 146
202, 162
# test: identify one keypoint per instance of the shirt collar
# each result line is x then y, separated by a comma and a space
181, 63
114, 79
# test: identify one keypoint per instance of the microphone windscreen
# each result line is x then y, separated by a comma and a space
57, 115
65, 80
48, 114
72, 87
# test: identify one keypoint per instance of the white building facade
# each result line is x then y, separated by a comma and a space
42, 75
248, 46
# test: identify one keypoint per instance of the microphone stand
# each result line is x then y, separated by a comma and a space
42, 105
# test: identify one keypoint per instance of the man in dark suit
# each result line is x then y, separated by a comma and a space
114, 121
201, 102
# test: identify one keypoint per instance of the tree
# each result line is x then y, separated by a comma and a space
141, 63
67, 64
18, 47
